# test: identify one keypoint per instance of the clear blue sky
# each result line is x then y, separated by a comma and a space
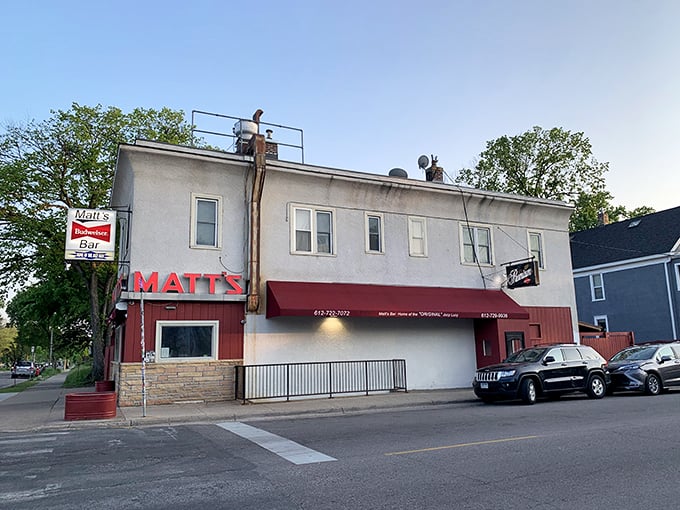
373, 84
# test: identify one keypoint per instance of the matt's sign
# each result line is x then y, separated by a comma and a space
189, 283
524, 274
91, 235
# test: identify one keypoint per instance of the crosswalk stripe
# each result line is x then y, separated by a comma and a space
289, 450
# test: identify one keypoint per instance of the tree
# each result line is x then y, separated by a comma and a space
590, 207
67, 161
7, 345
553, 164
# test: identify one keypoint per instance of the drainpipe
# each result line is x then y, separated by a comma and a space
258, 147
670, 297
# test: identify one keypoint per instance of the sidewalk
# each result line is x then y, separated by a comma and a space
42, 408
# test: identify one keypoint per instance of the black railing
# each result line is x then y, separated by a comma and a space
286, 380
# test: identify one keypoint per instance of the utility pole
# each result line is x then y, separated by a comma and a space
51, 344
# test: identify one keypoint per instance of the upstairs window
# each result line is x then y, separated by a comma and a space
206, 212
476, 245
374, 233
597, 287
417, 237
536, 248
312, 231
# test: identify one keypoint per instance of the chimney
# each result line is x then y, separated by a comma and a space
271, 147
602, 218
435, 173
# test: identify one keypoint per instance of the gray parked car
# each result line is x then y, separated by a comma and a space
650, 368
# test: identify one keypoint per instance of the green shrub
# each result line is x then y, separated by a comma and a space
79, 376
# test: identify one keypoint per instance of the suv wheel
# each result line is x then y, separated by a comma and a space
652, 385
596, 387
528, 391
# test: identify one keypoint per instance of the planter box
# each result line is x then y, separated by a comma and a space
105, 385
90, 406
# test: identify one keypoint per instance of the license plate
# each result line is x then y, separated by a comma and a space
484, 385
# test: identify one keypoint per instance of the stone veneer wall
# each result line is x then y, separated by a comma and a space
166, 383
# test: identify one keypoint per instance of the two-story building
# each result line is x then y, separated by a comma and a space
627, 275
239, 258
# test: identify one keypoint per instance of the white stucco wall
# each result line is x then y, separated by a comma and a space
161, 202
438, 354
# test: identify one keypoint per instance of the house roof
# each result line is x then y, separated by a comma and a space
645, 236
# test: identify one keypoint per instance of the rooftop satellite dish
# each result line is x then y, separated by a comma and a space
423, 161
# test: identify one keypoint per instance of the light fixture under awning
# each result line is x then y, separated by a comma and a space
362, 300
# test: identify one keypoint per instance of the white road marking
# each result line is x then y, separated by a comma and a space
22, 496
27, 453
289, 450
5, 396
28, 440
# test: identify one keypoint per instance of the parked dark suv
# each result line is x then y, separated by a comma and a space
648, 367
545, 370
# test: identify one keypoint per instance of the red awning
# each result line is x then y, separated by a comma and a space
362, 300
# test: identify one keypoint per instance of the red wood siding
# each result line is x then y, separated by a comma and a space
545, 325
553, 323
229, 315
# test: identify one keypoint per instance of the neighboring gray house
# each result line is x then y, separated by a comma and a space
627, 275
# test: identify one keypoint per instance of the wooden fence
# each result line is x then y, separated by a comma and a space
608, 344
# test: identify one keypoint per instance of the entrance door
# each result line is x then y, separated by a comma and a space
514, 341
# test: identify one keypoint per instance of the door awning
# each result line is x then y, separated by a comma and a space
313, 299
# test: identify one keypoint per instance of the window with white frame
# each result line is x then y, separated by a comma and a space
597, 287
186, 340
206, 230
476, 243
417, 236
601, 322
677, 276
536, 248
374, 233
312, 231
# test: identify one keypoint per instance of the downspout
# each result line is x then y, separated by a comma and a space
257, 147
670, 298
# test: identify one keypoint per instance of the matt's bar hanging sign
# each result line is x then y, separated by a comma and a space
524, 274
90, 235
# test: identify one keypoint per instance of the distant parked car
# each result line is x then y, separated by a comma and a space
546, 370
650, 368
23, 369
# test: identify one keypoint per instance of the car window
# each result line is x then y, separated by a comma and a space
635, 353
557, 354
525, 355
571, 354
665, 351
589, 353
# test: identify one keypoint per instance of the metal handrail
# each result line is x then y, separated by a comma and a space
286, 380
300, 146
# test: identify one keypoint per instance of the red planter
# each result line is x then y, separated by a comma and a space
105, 385
90, 406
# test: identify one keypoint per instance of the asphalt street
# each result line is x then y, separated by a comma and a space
619, 452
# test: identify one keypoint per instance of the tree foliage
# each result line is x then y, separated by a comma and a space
554, 164
47, 167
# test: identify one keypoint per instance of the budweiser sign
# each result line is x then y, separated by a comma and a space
91, 235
